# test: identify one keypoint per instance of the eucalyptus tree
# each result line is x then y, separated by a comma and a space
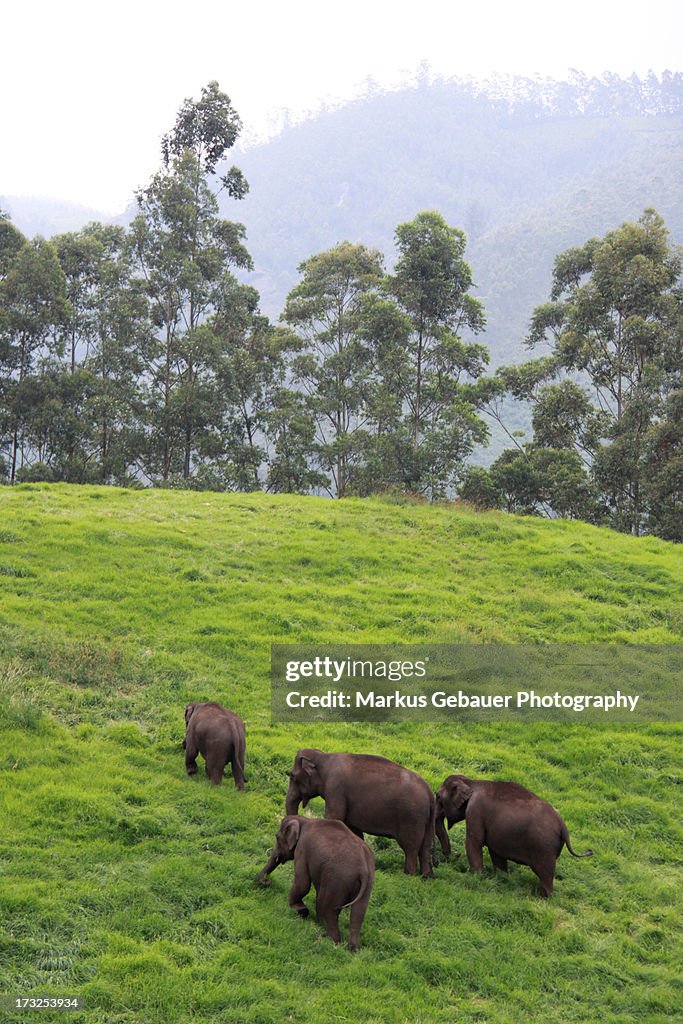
431, 284
118, 353
606, 445
614, 328
290, 435
33, 311
185, 252
663, 475
80, 255
245, 369
331, 363
11, 241
91, 430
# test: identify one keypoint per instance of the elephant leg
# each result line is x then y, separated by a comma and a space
237, 762
300, 887
191, 752
474, 851
328, 915
410, 843
356, 920
215, 773
237, 772
498, 861
410, 863
215, 766
335, 807
545, 869
426, 853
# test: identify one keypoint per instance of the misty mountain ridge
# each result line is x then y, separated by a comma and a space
526, 167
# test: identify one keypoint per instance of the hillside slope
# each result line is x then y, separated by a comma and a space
126, 882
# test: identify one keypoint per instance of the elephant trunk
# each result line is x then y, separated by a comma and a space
273, 862
442, 835
439, 830
293, 800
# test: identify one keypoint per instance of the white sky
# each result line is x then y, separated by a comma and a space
88, 87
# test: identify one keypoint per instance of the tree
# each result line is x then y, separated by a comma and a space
247, 370
431, 283
80, 255
11, 241
332, 364
184, 251
614, 326
533, 481
663, 472
107, 341
208, 128
291, 439
33, 310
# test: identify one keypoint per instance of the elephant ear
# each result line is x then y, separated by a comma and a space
189, 711
308, 766
291, 834
461, 794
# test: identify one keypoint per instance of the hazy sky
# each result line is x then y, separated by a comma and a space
88, 89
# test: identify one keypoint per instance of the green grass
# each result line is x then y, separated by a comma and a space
126, 882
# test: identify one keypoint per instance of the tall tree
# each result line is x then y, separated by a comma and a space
80, 255
117, 356
663, 473
33, 310
245, 370
332, 365
184, 251
431, 283
615, 329
11, 241
605, 443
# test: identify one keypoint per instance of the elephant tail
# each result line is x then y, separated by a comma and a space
241, 751
364, 883
565, 838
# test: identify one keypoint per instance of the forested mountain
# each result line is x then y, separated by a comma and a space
37, 216
526, 168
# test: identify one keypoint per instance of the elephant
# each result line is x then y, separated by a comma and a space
510, 820
369, 794
337, 862
219, 736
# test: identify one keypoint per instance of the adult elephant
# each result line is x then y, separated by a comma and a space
369, 794
219, 736
510, 820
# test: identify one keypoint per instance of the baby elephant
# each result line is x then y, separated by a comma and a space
510, 820
338, 863
219, 736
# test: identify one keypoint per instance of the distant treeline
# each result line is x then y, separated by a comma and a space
581, 96
134, 356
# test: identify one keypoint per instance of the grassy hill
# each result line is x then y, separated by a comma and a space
125, 882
